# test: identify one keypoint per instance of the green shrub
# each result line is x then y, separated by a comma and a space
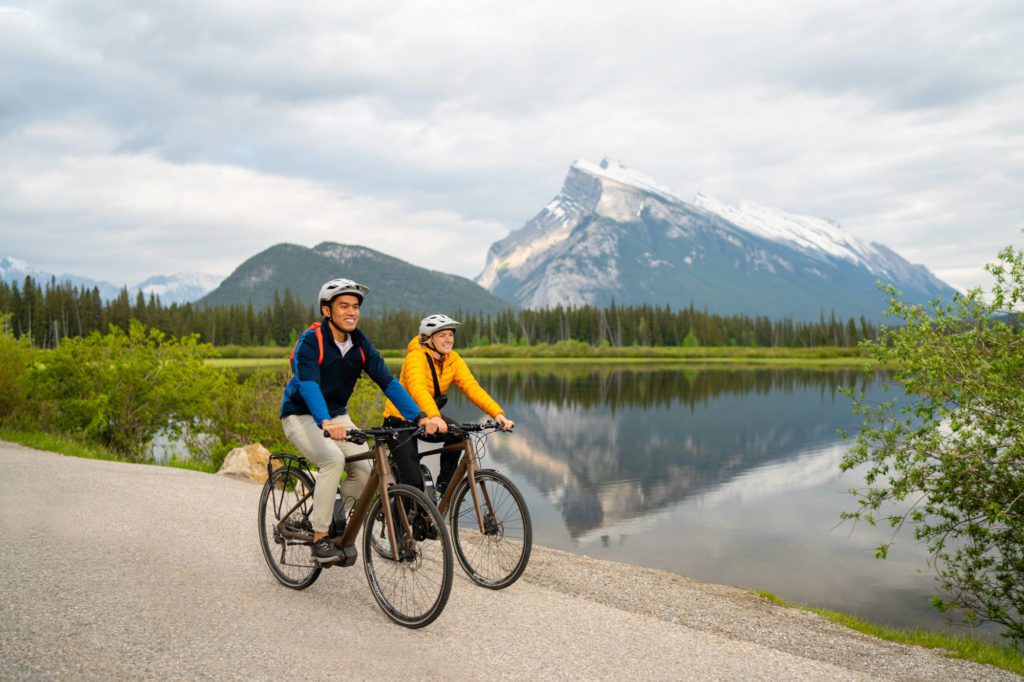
366, 406
248, 412
122, 389
949, 460
15, 359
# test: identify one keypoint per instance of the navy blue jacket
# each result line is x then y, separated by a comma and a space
323, 390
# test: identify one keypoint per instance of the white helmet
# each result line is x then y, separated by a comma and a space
435, 323
337, 287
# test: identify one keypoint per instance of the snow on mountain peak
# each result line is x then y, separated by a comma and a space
13, 265
806, 233
617, 172
182, 287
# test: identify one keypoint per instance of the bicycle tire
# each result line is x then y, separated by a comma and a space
291, 561
498, 557
412, 591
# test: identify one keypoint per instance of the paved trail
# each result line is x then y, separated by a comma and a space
124, 571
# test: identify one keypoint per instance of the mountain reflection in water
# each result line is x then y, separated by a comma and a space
728, 476
608, 446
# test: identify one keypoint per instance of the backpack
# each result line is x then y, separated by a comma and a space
316, 329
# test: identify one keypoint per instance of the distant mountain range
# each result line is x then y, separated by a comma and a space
614, 234
611, 234
394, 284
184, 287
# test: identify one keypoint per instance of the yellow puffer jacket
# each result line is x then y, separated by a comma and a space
416, 379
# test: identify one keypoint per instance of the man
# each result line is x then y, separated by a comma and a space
326, 363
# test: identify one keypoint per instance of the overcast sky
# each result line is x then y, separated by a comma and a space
157, 137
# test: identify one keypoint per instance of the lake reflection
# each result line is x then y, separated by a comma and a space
726, 476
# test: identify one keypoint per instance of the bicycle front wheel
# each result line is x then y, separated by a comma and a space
496, 557
412, 589
290, 560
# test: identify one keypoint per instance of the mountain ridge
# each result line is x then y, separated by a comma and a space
612, 233
394, 283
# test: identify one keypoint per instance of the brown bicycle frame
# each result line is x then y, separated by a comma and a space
467, 469
378, 483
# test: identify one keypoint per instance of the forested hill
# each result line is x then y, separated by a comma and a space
394, 284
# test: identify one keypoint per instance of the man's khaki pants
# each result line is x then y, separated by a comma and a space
329, 457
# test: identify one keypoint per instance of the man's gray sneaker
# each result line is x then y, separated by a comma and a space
325, 552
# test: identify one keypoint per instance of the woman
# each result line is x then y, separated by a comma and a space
430, 367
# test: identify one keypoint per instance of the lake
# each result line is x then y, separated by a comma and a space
728, 476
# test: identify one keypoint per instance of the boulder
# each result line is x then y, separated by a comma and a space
248, 462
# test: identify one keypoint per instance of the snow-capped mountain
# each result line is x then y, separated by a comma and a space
14, 271
183, 287
614, 234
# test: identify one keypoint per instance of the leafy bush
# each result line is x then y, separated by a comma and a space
247, 412
15, 359
121, 389
955, 447
366, 406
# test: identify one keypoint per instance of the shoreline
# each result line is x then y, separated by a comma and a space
696, 362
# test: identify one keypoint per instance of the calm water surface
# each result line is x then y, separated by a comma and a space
725, 476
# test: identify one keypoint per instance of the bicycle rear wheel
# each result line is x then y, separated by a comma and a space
414, 589
290, 560
497, 557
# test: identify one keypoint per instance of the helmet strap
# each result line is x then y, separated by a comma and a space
330, 321
429, 345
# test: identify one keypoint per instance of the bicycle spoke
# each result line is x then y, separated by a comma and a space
289, 560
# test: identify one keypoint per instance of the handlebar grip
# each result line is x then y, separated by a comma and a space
351, 435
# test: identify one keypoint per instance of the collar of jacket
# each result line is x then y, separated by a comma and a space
356, 334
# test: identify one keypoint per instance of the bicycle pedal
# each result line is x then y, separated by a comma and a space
350, 556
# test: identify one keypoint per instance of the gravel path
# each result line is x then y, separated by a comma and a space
115, 570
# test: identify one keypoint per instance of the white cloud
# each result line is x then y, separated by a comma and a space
125, 216
899, 119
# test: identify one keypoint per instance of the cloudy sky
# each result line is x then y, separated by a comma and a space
158, 137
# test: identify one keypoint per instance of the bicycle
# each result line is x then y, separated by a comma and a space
488, 519
410, 575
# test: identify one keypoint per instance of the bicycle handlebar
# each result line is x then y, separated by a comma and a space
474, 427
360, 436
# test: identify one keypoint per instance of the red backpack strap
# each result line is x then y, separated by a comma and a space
363, 354
318, 330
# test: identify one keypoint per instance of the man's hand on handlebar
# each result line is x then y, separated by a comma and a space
334, 431
504, 422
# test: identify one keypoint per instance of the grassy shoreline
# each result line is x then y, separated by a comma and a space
732, 357
954, 646
571, 349
72, 448
965, 647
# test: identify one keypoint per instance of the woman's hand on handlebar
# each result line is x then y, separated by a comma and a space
434, 425
504, 422
333, 431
